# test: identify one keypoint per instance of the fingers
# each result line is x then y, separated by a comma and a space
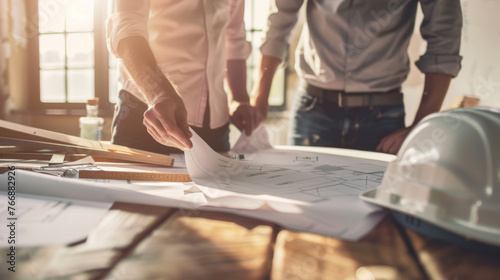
156, 130
396, 145
392, 142
238, 123
178, 134
381, 145
182, 130
249, 123
170, 130
386, 146
245, 118
183, 125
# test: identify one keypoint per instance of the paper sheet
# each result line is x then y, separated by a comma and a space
67, 200
249, 145
45, 221
33, 183
300, 190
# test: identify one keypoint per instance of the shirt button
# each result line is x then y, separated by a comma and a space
348, 74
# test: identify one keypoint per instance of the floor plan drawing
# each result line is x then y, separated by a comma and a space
303, 176
301, 189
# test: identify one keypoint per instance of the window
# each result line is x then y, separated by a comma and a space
70, 48
73, 63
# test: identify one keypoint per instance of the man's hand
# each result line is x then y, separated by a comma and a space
166, 121
392, 142
244, 116
435, 88
166, 118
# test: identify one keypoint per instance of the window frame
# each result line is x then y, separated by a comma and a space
101, 63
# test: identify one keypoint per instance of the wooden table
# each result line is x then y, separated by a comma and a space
147, 242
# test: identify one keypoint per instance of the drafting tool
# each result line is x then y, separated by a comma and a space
144, 158
136, 176
47, 156
77, 166
119, 175
239, 156
68, 144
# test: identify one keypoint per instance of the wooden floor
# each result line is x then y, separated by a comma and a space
145, 242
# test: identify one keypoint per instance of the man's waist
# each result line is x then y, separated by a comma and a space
356, 99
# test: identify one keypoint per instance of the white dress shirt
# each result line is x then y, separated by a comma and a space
191, 41
362, 45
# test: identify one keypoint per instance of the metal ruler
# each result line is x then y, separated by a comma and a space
136, 176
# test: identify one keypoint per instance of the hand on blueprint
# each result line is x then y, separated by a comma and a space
298, 189
166, 121
392, 142
244, 116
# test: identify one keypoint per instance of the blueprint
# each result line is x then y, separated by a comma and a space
48, 221
300, 188
302, 176
303, 190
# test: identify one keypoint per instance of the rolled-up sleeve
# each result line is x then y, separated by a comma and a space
129, 19
282, 18
237, 47
442, 29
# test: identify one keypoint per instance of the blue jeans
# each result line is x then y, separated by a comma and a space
316, 122
128, 129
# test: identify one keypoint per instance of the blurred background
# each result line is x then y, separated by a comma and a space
53, 57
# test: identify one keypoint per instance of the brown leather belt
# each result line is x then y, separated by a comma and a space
356, 99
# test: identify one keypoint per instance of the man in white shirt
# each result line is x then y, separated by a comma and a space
174, 58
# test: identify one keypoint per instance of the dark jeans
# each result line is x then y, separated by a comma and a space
128, 128
317, 122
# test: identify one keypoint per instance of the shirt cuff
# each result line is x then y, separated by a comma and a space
275, 49
124, 24
447, 64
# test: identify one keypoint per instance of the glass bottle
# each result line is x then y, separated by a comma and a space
91, 125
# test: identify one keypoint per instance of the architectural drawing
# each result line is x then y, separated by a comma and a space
320, 190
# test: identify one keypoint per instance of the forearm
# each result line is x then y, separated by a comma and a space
141, 65
242, 115
268, 67
236, 76
435, 88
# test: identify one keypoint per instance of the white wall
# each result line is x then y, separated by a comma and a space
480, 73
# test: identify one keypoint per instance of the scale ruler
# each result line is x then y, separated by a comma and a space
122, 175
136, 176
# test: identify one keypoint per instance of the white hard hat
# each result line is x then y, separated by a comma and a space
447, 173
